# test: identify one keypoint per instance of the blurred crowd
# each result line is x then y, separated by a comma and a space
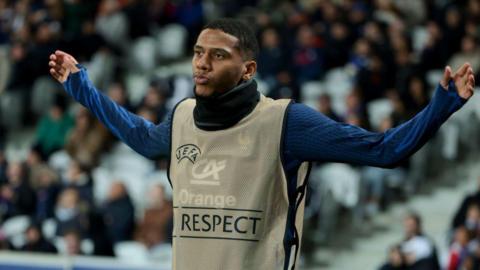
419, 252
136, 51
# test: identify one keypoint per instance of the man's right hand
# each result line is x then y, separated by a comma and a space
61, 65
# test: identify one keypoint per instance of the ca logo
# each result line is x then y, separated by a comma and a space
205, 168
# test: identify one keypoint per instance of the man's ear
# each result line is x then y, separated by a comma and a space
250, 70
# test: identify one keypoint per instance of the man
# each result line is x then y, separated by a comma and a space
239, 161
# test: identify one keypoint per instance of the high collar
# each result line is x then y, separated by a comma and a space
225, 110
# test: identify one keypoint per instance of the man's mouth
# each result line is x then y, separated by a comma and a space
201, 79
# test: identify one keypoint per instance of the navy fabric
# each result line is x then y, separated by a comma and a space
309, 135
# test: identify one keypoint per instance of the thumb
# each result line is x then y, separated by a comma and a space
447, 76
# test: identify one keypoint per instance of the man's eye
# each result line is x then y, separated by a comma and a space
219, 56
197, 53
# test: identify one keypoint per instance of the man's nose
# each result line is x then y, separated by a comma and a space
203, 62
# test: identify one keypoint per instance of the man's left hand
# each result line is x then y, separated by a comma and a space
463, 78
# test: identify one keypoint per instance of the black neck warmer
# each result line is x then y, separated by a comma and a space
225, 110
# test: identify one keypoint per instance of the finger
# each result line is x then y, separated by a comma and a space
470, 70
54, 64
471, 80
61, 53
55, 74
66, 57
53, 57
447, 74
60, 71
73, 60
469, 92
462, 71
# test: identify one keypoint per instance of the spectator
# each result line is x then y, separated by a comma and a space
116, 91
472, 222
17, 197
148, 114
155, 226
469, 52
35, 161
324, 104
54, 127
47, 190
155, 98
361, 54
87, 140
119, 214
373, 81
472, 199
396, 260
338, 44
87, 43
434, 53
272, 57
418, 249
135, 9
453, 30
459, 249
112, 25
3, 167
72, 243
78, 178
416, 97
356, 110
378, 180
35, 242
69, 213
307, 57
286, 87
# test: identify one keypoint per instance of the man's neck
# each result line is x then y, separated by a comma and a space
226, 109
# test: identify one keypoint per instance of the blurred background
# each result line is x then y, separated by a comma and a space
73, 197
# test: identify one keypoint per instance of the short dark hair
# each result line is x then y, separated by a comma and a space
247, 41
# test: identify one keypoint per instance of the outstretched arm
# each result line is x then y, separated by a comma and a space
142, 136
311, 136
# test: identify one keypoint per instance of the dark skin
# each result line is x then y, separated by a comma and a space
218, 64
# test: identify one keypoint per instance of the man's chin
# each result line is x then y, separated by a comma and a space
202, 91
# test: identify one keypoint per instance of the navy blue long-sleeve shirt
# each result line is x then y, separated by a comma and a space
309, 135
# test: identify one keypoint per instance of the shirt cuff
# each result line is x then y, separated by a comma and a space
451, 93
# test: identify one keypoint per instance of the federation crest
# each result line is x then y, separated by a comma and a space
188, 151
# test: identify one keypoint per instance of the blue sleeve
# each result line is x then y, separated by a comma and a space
311, 136
144, 137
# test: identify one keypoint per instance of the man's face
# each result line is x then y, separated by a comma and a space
217, 63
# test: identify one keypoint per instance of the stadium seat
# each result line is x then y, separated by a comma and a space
310, 91
14, 229
137, 86
162, 255
43, 91
131, 251
86, 246
100, 69
102, 180
338, 85
171, 42
378, 110
343, 181
49, 227
142, 55
59, 161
